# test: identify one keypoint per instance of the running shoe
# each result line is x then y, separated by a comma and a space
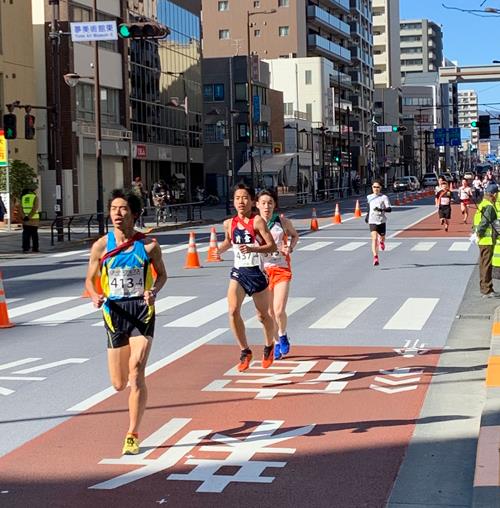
382, 245
268, 356
446, 227
277, 351
375, 261
245, 359
131, 445
284, 345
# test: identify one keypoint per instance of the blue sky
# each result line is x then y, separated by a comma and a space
468, 39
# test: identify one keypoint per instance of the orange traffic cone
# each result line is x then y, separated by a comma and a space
4, 315
213, 255
357, 210
192, 259
337, 219
97, 285
314, 221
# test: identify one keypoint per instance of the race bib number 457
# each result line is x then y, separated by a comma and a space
126, 282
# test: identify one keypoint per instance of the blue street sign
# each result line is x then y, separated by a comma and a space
256, 108
454, 136
440, 137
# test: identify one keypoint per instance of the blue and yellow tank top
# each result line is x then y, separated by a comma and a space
127, 274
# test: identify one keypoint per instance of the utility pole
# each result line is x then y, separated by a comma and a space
56, 146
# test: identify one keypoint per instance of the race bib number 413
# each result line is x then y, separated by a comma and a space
126, 282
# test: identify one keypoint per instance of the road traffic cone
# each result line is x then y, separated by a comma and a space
192, 259
337, 219
213, 255
4, 315
357, 210
314, 221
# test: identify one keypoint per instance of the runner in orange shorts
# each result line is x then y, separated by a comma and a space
277, 266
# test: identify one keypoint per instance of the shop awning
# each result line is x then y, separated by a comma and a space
270, 165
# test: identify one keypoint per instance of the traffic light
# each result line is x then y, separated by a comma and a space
29, 126
336, 156
398, 128
147, 30
474, 124
10, 126
484, 126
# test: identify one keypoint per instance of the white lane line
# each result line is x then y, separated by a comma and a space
391, 246
202, 316
86, 255
412, 315
175, 248
17, 363
42, 304
423, 246
167, 303
295, 303
51, 365
65, 315
70, 253
460, 246
343, 314
412, 224
104, 394
13, 300
349, 247
315, 246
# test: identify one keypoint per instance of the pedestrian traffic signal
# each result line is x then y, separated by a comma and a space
10, 126
484, 126
148, 30
29, 126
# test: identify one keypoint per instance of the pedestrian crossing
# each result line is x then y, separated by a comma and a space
193, 312
310, 244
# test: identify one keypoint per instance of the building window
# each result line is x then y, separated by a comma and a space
256, 4
208, 93
110, 104
288, 108
223, 5
309, 112
308, 77
256, 33
240, 91
213, 133
243, 133
224, 33
219, 92
283, 31
283, 3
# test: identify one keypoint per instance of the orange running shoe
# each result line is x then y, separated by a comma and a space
268, 356
245, 359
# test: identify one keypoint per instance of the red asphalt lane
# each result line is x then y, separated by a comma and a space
341, 448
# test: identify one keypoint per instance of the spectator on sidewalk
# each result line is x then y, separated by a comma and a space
31, 220
3, 210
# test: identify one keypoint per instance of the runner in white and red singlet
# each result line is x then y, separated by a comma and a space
465, 196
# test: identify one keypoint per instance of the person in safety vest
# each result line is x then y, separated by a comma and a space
31, 220
485, 227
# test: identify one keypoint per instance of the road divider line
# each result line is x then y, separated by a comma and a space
183, 351
412, 315
343, 314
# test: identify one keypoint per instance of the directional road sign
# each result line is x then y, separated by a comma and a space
94, 31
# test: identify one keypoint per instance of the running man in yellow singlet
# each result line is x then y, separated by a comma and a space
132, 272
278, 267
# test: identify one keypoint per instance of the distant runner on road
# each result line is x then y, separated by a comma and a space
249, 238
465, 196
378, 206
444, 198
125, 260
278, 267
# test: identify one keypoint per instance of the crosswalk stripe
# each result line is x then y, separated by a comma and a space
201, 316
343, 314
163, 304
412, 315
391, 246
351, 246
315, 246
423, 246
175, 248
70, 253
42, 304
13, 300
460, 246
65, 315
294, 304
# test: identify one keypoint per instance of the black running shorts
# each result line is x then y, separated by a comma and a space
444, 212
379, 228
126, 318
251, 279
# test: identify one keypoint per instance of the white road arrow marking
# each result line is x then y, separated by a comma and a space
393, 390
401, 372
51, 365
409, 351
396, 383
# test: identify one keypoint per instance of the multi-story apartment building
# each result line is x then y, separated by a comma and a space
468, 112
421, 46
17, 74
338, 30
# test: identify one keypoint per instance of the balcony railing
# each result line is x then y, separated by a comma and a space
327, 19
329, 47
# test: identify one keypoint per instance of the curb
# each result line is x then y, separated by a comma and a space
486, 491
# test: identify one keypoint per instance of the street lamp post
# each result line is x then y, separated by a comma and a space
250, 92
349, 169
185, 106
296, 128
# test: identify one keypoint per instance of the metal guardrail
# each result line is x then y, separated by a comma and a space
67, 222
173, 211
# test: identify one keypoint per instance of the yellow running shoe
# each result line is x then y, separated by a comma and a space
131, 445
